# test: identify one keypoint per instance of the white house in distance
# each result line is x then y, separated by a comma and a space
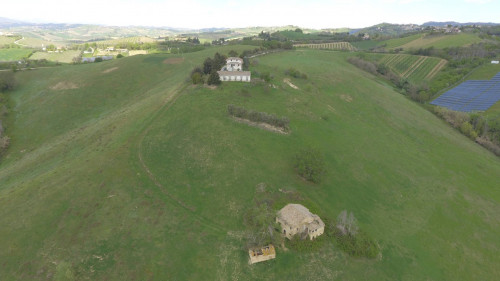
495, 62
232, 71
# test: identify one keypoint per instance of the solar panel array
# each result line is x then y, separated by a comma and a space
472, 95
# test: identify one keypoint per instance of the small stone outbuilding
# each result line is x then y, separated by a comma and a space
297, 219
262, 254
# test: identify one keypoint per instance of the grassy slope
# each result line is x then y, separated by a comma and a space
76, 200
13, 54
443, 41
6, 40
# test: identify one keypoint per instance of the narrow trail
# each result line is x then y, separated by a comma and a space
192, 210
17, 42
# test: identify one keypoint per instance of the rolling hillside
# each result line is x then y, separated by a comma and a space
120, 171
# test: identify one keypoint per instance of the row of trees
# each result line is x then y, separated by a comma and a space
259, 117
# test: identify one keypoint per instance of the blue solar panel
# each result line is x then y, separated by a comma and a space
471, 95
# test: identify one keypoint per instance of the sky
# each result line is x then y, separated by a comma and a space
235, 13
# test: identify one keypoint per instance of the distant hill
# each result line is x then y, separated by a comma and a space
6, 23
454, 23
390, 29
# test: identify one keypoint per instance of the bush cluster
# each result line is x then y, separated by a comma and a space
259, 117
485, 131
310, 164
356, 243
295, 73
209, 68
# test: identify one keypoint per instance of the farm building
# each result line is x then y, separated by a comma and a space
297, 219
232, 71
495, 62
262, 254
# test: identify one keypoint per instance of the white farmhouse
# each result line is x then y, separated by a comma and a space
495, 62
232, 71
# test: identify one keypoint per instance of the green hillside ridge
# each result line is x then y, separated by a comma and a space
121, 171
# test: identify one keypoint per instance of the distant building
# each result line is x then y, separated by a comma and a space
232, 71
296, 219
495, 62
262, 254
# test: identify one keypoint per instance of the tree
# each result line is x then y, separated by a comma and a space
119, 56
214, 78
208, 65
219, 61
233, 53
7, 81
347, 223
298, 30
310, 165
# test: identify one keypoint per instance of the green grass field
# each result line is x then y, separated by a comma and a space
14, 54
6, 40
416, 69
442, 41
131, 174
65, 57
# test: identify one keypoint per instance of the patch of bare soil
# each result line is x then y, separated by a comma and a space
262, 126
173, 61
64, 86
287, 80
346, 98
211, 87
110, 69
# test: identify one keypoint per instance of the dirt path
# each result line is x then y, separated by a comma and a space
169, 101
17, 42
287, 80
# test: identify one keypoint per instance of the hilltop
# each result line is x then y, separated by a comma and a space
122, 170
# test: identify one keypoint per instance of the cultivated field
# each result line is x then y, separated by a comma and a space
330, 46
65, 57
415, 68
120, 171
135, 39
37, 43
442, 41
14, 54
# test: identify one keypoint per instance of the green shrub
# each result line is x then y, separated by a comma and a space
305, 245
295, 73
119, 56
310, 164
197, 78
359, 245
214, 78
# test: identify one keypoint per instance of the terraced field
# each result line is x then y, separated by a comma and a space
330, 46
66, 57
415, 68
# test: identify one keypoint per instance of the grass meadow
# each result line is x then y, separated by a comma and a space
14, 54
122, 170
